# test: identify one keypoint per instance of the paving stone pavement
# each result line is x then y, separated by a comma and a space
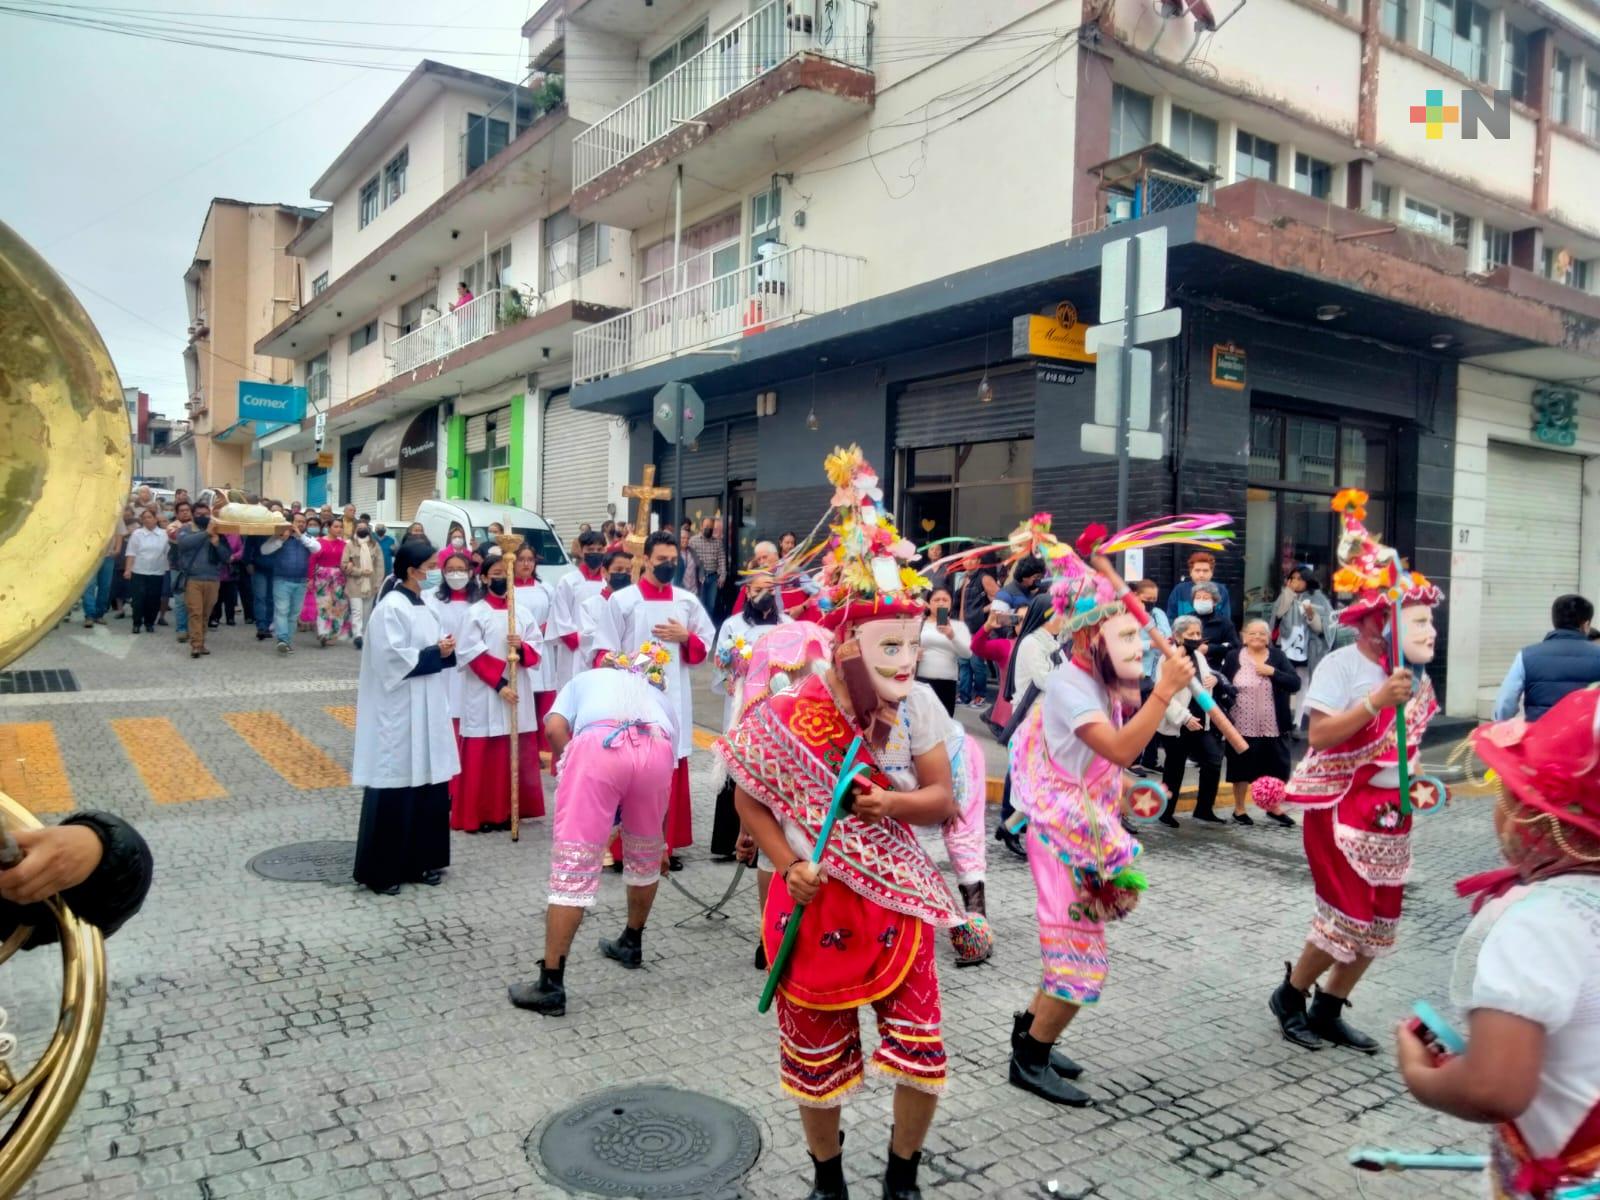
313, 1040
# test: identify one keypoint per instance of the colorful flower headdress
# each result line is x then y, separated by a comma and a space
866, 564
1088, 597
1369, 570
650, 661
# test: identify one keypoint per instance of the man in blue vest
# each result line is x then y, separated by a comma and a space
1546, 671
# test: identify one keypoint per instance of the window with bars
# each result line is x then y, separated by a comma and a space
394, 176
1194, 136
369, 203
319, 284
1313, 176
1496, 247
1514, 73
1456, 32
1131, 119
572, 248
1393, 18
1256, 158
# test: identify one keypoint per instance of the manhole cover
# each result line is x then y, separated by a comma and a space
307, 862
647, 1141
22, 683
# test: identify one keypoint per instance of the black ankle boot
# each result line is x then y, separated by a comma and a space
1059, 1063
547, 996
828, 1176
1325, 1022
1031, 1071
972, 897
900, 1178
627, 949
1011, 841
1288, 1004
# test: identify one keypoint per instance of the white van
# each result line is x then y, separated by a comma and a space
437, 517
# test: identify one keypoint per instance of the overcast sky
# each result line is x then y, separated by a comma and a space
116, 143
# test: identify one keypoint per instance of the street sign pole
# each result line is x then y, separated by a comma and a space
1125, 392
677, 484
679, 417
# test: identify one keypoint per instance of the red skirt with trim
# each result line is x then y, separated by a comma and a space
849, 951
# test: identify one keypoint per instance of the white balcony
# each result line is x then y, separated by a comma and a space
806, 64
473, 321
785, 286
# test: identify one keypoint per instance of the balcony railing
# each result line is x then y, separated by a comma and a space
783, 287
477, 318
764, 40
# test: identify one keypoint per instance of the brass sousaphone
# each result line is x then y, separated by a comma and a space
64, 462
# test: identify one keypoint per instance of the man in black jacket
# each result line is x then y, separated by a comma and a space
97, 863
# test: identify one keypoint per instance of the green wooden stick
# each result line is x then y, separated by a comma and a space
841, 790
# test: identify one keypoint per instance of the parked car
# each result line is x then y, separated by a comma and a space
436, 517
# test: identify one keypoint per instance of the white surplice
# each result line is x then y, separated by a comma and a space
483, 711
628, 620
452, 615
588, 625
403, 733
571, 590
539, 599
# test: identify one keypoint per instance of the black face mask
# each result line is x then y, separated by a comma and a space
1192, 645
663, 571
361, 533
618, 580
497, 587
763, 606
201, 522
592, 561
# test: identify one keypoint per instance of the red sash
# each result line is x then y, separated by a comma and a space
1579, 1159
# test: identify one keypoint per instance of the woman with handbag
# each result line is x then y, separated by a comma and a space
1263, 680
1303, 627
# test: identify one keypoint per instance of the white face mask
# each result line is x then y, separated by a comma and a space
457, 580
1203, 606
1417, 633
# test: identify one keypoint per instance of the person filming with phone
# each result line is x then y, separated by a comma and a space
946, 643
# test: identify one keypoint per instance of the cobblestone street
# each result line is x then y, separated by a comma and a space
313, 1040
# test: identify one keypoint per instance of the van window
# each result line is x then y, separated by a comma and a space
542, 540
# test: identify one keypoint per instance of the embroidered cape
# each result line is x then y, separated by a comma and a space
1324, 776
786, 753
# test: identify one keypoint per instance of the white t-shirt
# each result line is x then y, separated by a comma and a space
922, 725
607, 694
1540, 960
1072, 699
1339, 683
148, 549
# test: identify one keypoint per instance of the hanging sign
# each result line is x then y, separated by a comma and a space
1060, 336
1228, 366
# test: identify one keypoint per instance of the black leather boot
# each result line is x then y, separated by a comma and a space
828, 1175
1031, 1071
1011, 841
1325, 1022
900, 1178
547, 996
1288, 1004
1059, 1063
627, 949
972, 897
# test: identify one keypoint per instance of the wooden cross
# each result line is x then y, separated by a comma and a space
645, 493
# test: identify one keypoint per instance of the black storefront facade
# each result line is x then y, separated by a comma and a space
1299, 411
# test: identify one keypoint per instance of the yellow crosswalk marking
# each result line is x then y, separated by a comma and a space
345, 714
171, 770
285, 751
31, 770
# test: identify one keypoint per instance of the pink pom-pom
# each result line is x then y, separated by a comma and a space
1269, 794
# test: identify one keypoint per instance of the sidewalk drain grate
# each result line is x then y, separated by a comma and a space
647, 1141
27, 683
307, 862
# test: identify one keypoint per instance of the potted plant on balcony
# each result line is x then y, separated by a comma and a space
512, 308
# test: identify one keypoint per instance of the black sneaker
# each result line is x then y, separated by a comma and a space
1242, 819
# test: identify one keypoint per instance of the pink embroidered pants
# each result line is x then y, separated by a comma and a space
605, 767
966, 834
1072, 942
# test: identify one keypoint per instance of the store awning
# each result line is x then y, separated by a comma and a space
408, 441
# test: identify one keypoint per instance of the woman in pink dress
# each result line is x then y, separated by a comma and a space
332, 609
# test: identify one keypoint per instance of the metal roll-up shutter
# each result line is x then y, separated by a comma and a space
502, 428
363, 493
940, 412
705, 468
1531, 550
742, 450
415, 486
573, 476
478, 433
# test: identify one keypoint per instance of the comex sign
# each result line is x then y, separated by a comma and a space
278, 402
1474, 112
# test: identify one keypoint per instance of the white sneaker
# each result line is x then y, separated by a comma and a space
283, 647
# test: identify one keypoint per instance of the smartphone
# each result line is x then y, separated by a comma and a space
941, 615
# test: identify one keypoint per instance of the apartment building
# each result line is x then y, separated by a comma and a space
1381, 237
237, 277
457, 187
